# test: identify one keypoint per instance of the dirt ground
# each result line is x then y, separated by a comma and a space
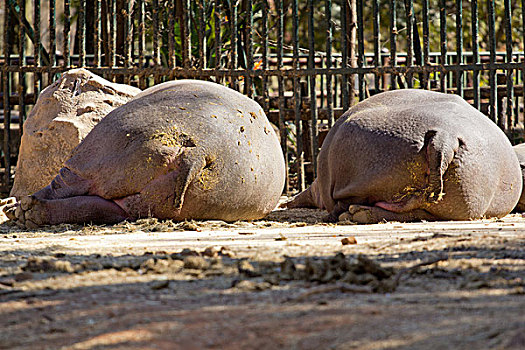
289, 281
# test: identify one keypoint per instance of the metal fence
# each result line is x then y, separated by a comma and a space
306, 62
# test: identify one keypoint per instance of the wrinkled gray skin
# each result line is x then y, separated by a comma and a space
520, 152
412, 155
181, 150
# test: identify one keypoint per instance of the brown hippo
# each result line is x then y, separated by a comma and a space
520, 152
410, 155
184, 149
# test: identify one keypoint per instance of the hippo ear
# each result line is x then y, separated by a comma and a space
191, 165
441, 147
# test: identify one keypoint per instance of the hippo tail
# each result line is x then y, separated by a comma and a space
190, 166
309, 198
441, 147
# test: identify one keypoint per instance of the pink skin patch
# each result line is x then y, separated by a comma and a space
394, 207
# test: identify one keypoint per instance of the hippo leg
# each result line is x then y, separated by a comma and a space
363, 214
65, 200
33, 212
309, 198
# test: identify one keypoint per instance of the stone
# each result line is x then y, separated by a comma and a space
63, 115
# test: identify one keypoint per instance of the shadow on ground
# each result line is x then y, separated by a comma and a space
467, 294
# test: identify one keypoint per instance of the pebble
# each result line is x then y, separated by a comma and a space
159, 284
196, 263
211, 252
349, 240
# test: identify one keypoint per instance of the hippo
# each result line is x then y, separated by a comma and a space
185, 149
520, 152
411, 155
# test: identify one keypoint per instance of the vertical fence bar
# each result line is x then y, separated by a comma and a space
186, 29
344, 54
459, 46
475, 53
393, 46
377, 45
52, 39
443, 41
156, 34
22, 62
329, 95
360, 49
248, 87
516, 100
36, 48
282, 123
201, 5
493, 112
218, 38
142, 41
113, 33
313, 91
6, 91
510, 72
128, 40
233, 42
97, 55
264, 62
82, 33
426, 45
67, 32
171, 34
204, 41
297, 98
523, 60
352, 46
409, 9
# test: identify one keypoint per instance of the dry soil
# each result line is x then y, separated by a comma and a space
289, 281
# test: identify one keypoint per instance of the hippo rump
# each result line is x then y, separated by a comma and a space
520, 152
410, 155
184, 149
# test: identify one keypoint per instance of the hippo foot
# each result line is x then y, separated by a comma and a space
25, 213
360, 214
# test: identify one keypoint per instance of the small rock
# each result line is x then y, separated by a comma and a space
372, 267
35, 264
196, 263
281, 237
159, 284
23, 276
189, 226
349, 240
225, 251
9, 282
90, 265
211, 252
246, 268
247, 285
184, 253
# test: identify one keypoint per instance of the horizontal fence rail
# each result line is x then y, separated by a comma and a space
306, 62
